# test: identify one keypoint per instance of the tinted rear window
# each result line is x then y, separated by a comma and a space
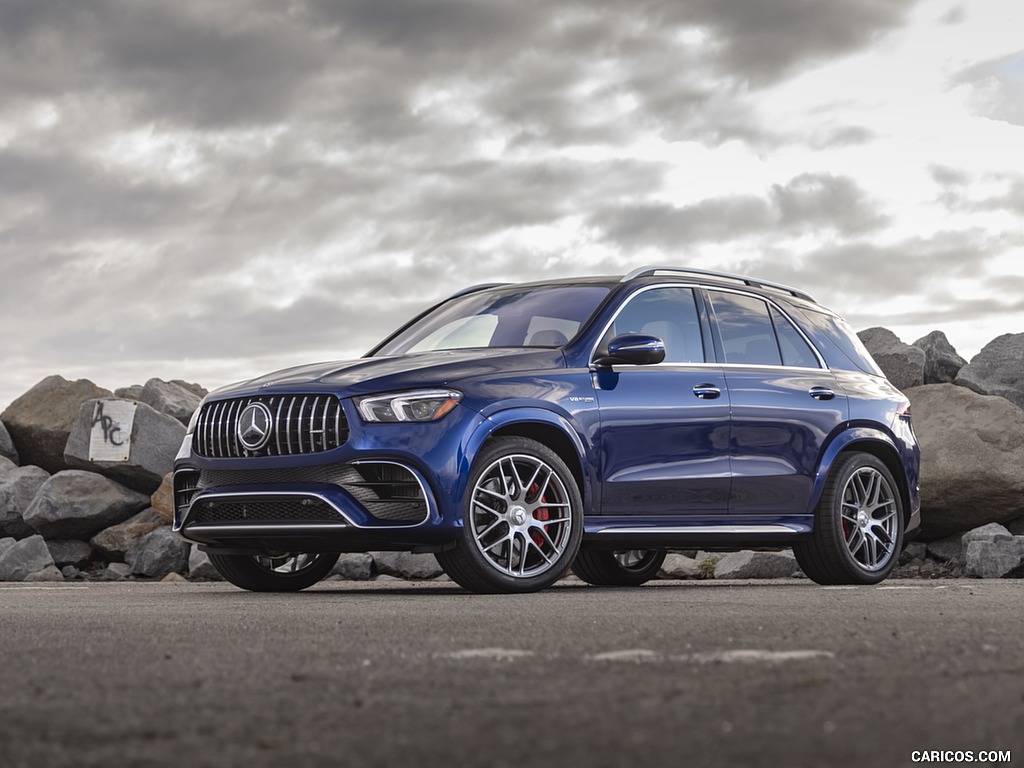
746, 329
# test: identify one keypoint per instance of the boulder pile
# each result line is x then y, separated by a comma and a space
969, 421
85, 489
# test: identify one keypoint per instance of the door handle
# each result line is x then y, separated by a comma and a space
707, 391
822, 393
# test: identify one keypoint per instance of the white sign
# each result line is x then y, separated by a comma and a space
111, 437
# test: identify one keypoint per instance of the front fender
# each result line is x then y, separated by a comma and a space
512, 417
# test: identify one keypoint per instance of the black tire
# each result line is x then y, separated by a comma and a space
522, 512
857, 539
618, 568
258, 574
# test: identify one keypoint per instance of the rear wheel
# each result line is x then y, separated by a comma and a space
274, 573
858, 525
522, 520
619, 567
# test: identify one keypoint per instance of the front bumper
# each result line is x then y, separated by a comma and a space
387, 487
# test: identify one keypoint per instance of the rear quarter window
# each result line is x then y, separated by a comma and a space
852, 354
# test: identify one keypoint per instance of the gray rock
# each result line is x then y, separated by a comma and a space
200, 567
714, 557
162, 500
69, 552
69, 572
972, 458
901, 363
998, 369
994, 559
196, 389
24, 557
680, 567
756, 565
40, 420
114, 542
134, 392
941, 362
948, 550
7, 543
18, 486
158, 553
49, 573
7, 449
76, 505
406, 565
116, 572
171, 399
990, 533
915, 550
137, 453
354, 566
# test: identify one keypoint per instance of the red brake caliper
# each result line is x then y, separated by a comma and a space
541, 514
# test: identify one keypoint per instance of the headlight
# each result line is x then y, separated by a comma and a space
419, 405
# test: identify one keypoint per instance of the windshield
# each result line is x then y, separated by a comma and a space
502, 317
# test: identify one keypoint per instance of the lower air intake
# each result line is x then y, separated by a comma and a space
265, 511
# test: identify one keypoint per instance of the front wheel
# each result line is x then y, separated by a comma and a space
858, 525
618, 568
522, 520
274, 573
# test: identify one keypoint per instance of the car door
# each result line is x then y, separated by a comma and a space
785, 404
664, 434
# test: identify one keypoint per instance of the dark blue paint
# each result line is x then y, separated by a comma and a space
778, 432
664, 451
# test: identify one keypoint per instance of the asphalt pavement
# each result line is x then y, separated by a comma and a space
388, 673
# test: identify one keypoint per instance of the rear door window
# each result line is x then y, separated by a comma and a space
745, 326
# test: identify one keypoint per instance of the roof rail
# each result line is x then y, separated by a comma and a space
475, 289
753, 282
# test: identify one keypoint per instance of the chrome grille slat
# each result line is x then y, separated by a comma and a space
312, 418
218, 416
301, 425
288, 425
324, 425
277, 425
209, 430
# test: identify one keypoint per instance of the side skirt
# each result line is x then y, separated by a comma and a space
722, 532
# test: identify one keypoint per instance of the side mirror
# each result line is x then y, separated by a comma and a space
633, 349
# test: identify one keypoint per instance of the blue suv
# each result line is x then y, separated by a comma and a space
518, 431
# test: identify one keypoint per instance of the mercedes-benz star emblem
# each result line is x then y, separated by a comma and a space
254, 426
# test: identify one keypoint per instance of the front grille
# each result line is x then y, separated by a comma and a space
299, 424
265, 511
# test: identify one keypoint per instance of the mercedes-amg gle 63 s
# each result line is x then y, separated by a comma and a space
519, 431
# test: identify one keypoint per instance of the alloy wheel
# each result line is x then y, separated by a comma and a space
869, 518
520, 516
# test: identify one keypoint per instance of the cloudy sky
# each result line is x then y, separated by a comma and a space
209, 189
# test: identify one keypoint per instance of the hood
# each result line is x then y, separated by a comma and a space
384, 374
